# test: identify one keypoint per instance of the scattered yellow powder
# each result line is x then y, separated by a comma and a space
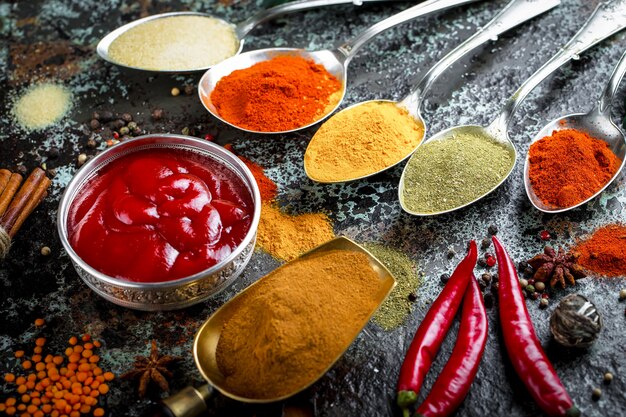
42, 106
362, 140
175, 43
287, 236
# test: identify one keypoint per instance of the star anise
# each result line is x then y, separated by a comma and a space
559, 267
151, 368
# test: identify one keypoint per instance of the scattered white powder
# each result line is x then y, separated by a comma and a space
41, 106
175, 43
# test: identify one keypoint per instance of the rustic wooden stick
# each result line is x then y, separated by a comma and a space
7, 193
21, 199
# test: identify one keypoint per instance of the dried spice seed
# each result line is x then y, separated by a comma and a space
608, 377
543, 303
622, 295
444, 278
493, 229
485, 243
45, 251
596, 394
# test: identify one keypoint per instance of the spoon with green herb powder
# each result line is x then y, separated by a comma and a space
379, 134
461, 165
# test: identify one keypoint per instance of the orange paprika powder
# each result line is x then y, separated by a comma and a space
569, 167
282, 93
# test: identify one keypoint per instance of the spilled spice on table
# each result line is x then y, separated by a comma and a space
394, 311
286, 236
41, 106
285, 331
604, 252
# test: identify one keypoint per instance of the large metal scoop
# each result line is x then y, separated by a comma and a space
191, 401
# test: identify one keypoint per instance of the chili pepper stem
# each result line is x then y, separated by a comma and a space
406, 399
573, 412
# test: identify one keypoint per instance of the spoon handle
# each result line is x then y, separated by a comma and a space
243, 28
514, 14
608, 18
606, 99
349, 49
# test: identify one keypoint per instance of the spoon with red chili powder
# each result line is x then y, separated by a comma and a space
575, 157
251, 99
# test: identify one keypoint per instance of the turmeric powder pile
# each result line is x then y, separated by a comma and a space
286, 330
286, 236
58, 385
362, 140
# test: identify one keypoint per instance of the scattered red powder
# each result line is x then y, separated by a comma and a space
267, 187
605, 251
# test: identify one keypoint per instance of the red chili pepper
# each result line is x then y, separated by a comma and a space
457, 376
432, 331
527, 356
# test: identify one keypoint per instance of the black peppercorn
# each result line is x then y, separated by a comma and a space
103, 116
482, 284
445, 278
529, 271
495, 287
94, 124
53, 153
492, 229
412, 297
91, 144
494, 278
188, 89
127, 117
485, 243
116, 124
451, 253
486, 277
482, 263
522, 265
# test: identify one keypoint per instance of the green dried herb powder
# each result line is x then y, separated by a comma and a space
449, 173
397, 306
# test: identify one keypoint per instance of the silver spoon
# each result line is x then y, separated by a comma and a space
514, 14
334, 60
598, 124
608, 18
240, 29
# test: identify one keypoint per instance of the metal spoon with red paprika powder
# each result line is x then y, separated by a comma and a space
335, 61
597, 124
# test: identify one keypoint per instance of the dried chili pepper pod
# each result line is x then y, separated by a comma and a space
432, 331
525, 352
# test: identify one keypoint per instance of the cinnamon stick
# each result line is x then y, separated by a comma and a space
38, 194
5, 174
26, 198
8, 191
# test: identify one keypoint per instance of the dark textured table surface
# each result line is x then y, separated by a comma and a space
363, 381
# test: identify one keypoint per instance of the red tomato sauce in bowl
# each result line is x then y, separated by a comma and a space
158, 215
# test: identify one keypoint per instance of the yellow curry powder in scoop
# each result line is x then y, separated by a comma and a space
362, 140
283, 333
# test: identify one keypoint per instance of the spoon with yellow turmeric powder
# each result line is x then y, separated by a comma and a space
379, 134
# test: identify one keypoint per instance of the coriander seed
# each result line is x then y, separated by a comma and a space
45, 251
596, 393
175, 91
608, 377
82, 158
622, 295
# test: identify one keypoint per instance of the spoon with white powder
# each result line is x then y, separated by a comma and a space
189, 41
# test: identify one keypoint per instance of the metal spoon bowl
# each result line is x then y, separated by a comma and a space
240, 29
105, 43
596, 125
335, 60
607, 19
514, 14
207, 337
449, 134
